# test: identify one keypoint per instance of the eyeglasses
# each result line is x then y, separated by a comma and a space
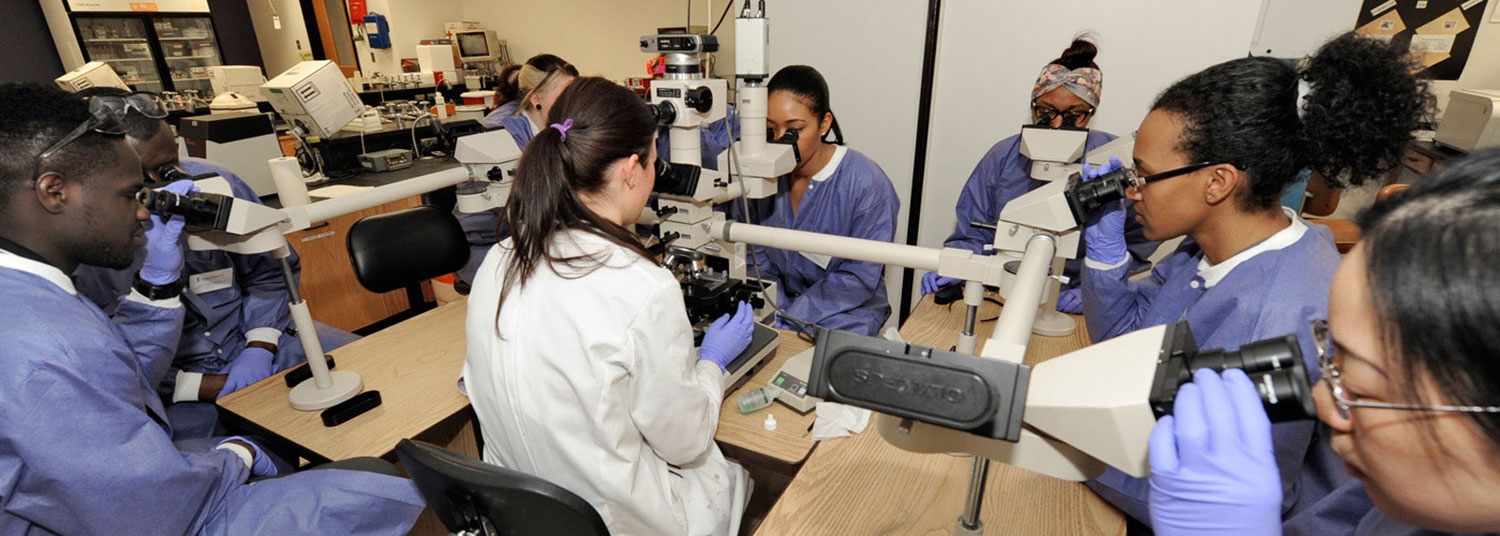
102, 119
1043, 115
1135, 180
1334, 376
143, 102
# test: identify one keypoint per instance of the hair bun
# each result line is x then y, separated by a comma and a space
1079, 54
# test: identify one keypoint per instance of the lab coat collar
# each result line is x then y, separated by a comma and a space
832, 165
1211, 274
40, 269
535, 128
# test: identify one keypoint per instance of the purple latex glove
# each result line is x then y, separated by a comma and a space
1213, 464
1104, 235
163, 264
931, 282
1070, 300
262, 466
728, 336
252, 365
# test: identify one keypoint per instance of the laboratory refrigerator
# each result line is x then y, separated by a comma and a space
152, 52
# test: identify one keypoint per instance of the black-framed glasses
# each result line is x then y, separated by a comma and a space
1135, 180
1043, 115
1334, 375
102, 119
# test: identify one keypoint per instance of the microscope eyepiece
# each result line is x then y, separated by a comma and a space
1274, 365
172, 173
1087, 197
198, 210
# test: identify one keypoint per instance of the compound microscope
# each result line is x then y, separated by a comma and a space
714, 272
215, 219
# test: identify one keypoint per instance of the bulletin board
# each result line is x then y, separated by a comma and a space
1438, 33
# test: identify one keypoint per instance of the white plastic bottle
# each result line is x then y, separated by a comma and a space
442, 106
758, 399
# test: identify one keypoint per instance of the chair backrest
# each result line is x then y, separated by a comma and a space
471, 495
396, 249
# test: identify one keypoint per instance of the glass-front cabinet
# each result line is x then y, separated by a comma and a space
189, 46
125, 46
154, 52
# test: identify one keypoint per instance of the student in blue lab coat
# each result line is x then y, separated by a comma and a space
508, 94
1412, 407
237, 328
85, 445
1066, 94
1215, 152
832, 190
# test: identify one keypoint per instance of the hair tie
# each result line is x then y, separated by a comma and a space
563, 128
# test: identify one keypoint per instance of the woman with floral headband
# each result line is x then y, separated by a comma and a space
1066, 95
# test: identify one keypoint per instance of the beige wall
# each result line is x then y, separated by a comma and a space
598, 36
278, 48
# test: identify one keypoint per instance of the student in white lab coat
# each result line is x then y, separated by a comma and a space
580, 361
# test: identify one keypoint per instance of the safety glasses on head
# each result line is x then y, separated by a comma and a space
143, 102
1334, 375
102, 120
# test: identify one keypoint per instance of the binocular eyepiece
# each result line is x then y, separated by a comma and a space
1087, 197
199, 210
1274, 365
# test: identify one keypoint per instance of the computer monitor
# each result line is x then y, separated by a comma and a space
478, 46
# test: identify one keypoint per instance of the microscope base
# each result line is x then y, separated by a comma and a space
306, 396
1053, 324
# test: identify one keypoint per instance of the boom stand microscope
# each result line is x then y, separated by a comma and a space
216, 220
713, 271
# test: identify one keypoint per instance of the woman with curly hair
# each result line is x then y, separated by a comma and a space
1211, 161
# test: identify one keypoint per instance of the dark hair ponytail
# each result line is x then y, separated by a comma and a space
609, 123
1362, 107
1079, 54
807, 83
1430, 254
510, 85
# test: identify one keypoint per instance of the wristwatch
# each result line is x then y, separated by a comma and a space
157, 292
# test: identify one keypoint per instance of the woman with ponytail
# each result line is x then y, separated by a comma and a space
1066, 95
580, 362
832, 190
1211, 161
536, 84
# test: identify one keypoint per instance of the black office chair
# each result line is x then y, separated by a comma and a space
402, 249
480, 498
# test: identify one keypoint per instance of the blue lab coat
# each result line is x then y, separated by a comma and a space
851, 197
1005, 174
1349, 510
86, 448
218, 321
492, 120
1276, 287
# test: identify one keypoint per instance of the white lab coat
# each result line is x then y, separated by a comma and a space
592, 383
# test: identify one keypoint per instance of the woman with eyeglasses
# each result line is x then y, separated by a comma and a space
1066, 95
1212, 158
832, 190
1410, 389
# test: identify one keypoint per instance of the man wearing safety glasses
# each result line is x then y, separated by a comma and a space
87, 448
238, 329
